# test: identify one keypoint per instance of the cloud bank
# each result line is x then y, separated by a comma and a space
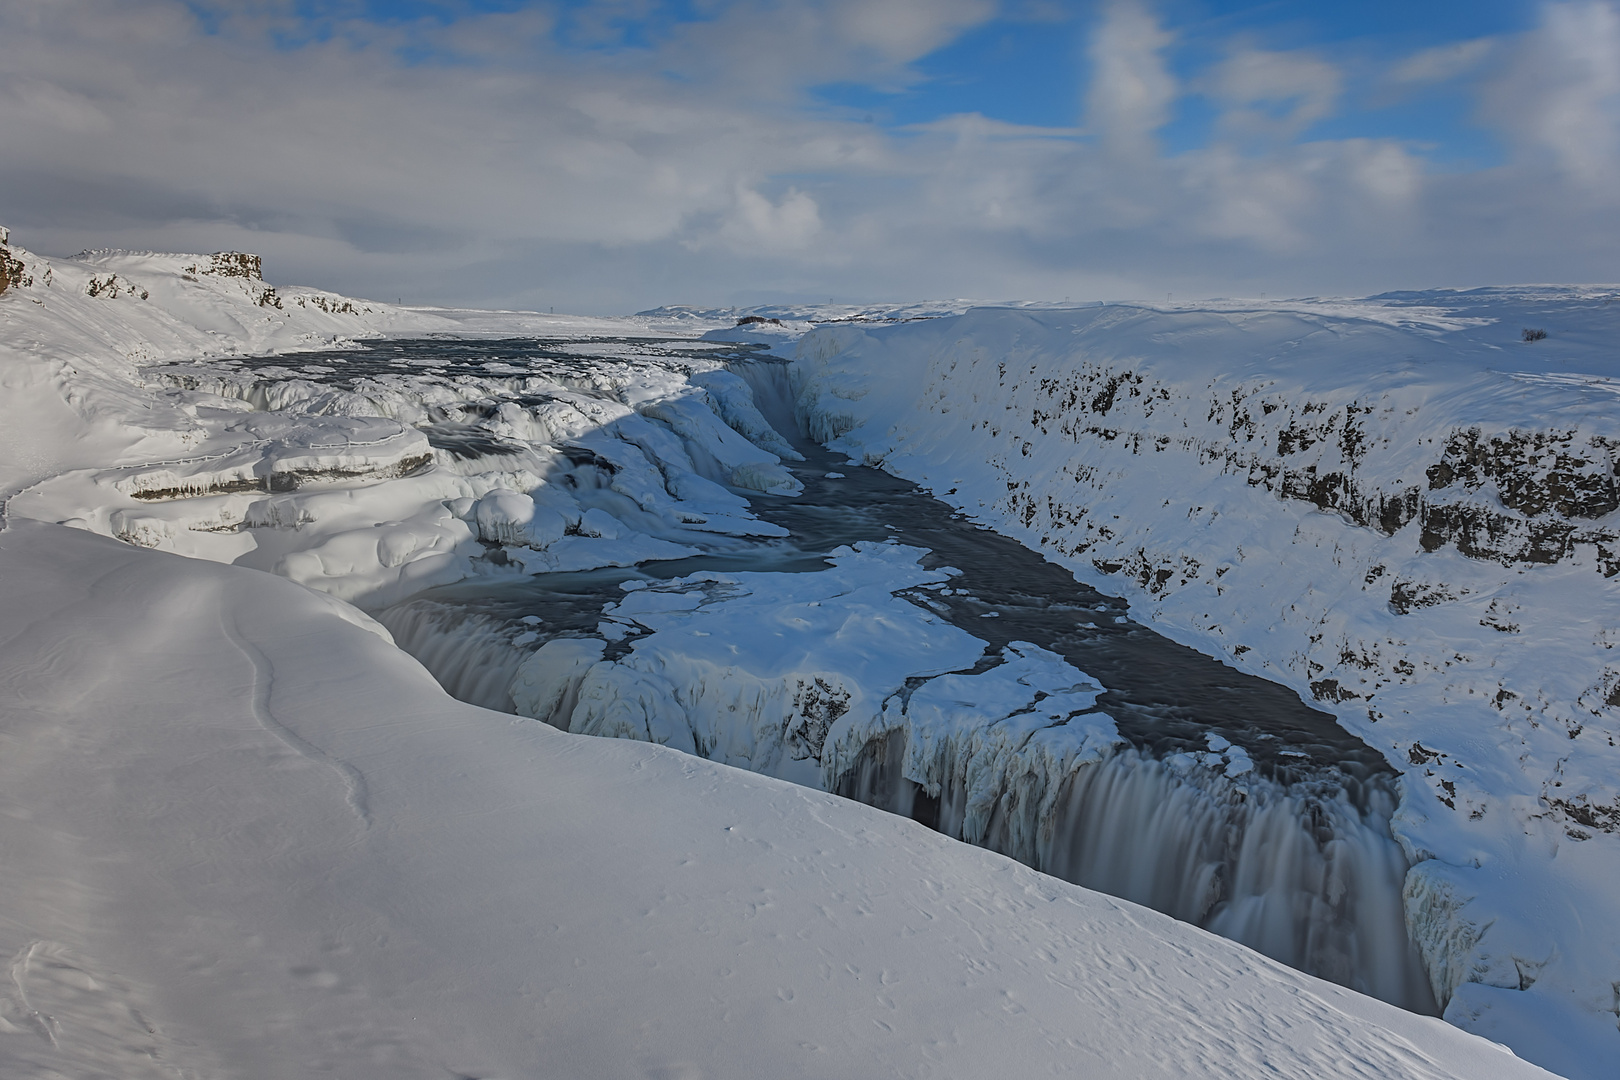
586, 158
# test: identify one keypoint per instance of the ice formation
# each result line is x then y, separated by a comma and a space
375, 483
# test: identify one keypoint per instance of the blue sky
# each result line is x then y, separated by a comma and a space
608, 154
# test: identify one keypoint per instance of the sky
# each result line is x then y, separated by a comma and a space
605, 156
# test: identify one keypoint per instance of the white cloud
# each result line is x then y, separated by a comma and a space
43, 103
517, 172
1131, 89
1559, 97
1276, 94
901, 31
757, 222
1441, 63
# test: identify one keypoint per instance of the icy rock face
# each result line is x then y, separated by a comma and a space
281, 453
546, 685
735, 404
738, 460
1396, 506
996, 746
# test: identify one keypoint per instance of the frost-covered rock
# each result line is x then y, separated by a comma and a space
511, 517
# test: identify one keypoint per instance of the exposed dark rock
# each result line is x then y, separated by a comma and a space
817, 707
1330, 690
1407, 596
12, 270
230, 264
1421, 755
285, 480
1591, 815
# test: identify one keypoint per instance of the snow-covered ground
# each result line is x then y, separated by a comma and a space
245, 834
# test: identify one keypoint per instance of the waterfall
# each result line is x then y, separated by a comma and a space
1293, 860
772, 388
1294, 871
474, 657
1299, 866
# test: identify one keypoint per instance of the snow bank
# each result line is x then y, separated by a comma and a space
1397, 506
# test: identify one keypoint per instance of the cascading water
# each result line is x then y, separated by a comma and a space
1281, 843
1295, 871
474, 657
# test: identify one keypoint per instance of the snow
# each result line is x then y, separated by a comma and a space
761, 670
246, 834
1395, 505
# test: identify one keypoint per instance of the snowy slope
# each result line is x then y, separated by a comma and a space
1398, 506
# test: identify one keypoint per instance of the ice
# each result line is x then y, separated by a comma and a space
763, 670
368, 482
783, 674
511, 517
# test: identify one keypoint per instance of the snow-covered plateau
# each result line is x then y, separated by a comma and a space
246, 833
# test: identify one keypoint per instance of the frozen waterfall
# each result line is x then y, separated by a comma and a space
1304, 871
1296, 871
